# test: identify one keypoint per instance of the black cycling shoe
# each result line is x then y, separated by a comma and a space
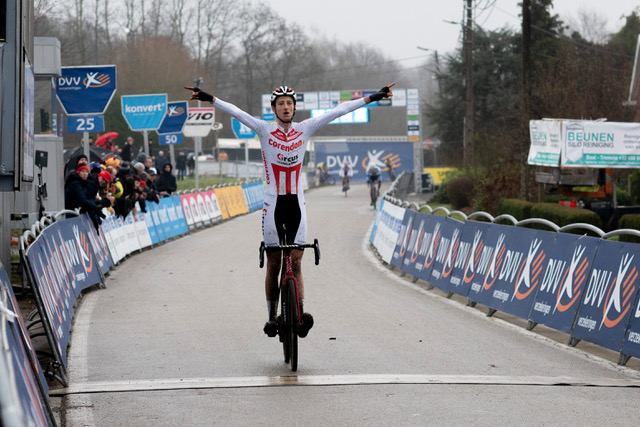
307, 323
271, 328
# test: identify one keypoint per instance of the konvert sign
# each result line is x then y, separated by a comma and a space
144, 112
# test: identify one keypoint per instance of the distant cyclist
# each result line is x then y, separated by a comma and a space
346, 172
373, 179
283, 144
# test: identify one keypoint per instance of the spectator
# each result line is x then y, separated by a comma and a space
139, 168
166, 182
161, 160
126, 150
191, 162
98, 184
73, 164
148, 163
181, 165
75, 195
141, 157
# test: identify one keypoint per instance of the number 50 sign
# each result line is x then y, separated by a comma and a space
85, 124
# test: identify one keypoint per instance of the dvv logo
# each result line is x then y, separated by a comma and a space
572, 281
529, 275
618, 301
86, 90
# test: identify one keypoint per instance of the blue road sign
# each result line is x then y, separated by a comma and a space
86, 90
85, 124
170, 138
144, 112
241, 131
175, 117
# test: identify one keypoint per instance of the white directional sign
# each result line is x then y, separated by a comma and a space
199, 122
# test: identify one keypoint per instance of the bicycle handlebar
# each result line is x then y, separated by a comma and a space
315, 245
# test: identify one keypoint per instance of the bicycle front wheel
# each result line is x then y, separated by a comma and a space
292, 327
374, 195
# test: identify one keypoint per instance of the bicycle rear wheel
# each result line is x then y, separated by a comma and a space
292, 327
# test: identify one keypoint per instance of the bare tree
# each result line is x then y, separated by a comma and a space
177, 17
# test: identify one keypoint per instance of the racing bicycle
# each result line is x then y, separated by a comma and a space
374, 190
290, 316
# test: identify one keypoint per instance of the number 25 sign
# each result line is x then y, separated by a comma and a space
85, 124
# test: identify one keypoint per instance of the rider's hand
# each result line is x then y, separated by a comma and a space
199, 94
385, 92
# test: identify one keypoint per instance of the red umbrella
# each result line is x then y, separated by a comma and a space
103, 140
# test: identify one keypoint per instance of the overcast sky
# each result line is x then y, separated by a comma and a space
397, 27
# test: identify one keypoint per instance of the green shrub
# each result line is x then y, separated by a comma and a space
563, 215
629, 221
519, 209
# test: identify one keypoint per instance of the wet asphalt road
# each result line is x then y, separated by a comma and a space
176, 339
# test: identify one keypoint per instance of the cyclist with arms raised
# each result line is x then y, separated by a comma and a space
283, 144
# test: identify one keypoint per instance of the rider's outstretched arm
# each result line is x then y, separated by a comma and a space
244, 117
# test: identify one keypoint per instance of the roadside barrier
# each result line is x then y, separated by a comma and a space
582, 285
63, 254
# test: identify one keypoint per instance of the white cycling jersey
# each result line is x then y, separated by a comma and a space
282, 155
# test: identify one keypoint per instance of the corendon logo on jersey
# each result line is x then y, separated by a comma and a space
286, 178
496, 262
433, 246
286, 148
618, 301
529, 273
574, 277
266, 169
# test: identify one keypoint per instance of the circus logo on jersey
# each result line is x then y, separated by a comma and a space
288, 137
287, 160
572, 281
529, 275
496, 262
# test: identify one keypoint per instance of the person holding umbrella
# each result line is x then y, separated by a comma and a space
106, 140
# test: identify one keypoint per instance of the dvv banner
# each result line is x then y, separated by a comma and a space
86, 90
144, 112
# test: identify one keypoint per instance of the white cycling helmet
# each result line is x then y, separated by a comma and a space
283, 91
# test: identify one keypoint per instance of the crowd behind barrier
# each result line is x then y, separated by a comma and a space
63, 254
584, 286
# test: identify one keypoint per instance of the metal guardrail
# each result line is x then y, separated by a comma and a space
389, 196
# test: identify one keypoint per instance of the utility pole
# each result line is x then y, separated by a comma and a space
468, 58
525, 173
